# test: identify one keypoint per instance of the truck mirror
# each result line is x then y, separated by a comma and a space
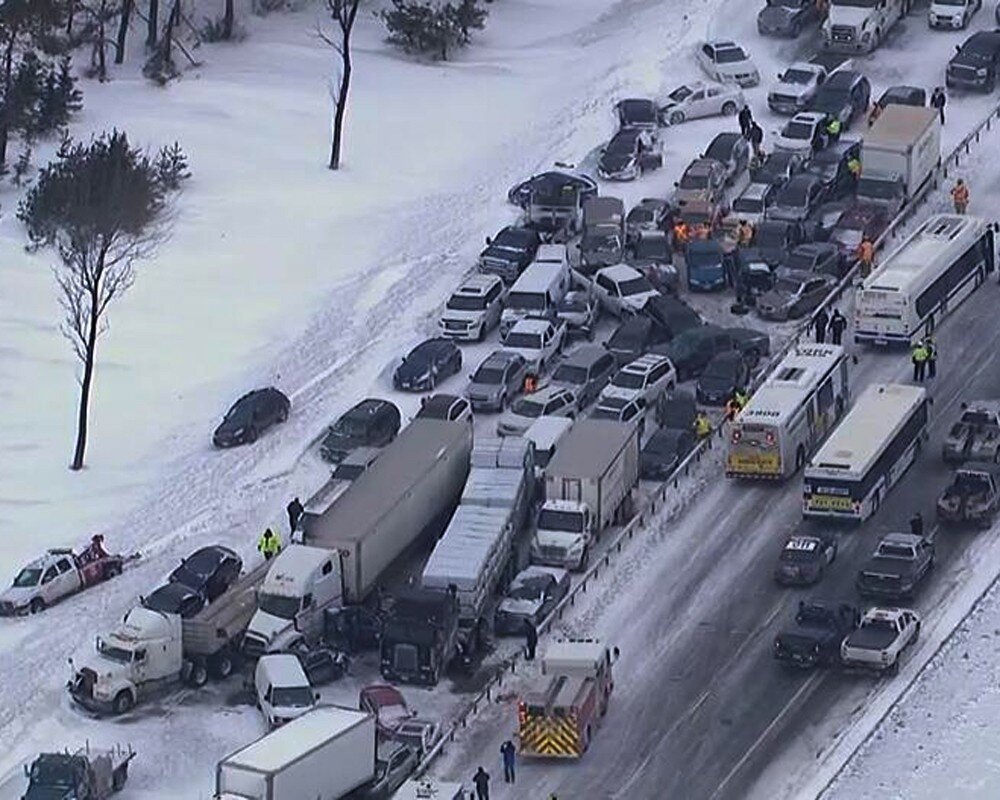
488, 241
316, 695
964, 406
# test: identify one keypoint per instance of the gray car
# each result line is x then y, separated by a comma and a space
497, 380
586, 371
797, 199
794, 295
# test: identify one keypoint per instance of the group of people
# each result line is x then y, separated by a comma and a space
269, 544
508, 757
924, 358
835, 324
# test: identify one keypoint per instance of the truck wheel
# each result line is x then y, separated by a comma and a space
123, 702
199, 675
118, 778
222, 665
893, 669
37, 606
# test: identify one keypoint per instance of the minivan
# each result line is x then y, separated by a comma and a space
283, 690
586, 371
539, 290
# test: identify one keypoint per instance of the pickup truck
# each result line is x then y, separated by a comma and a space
620, 289
56, 574
87, 774
976, 435
897, 566
799, 82
880, 639
970, 497
816, 638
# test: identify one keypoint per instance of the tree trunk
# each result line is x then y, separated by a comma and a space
8, 68
168, 34
102, 57
70, 12
227, 21
90, 355
152, 23
341, 107
123, 23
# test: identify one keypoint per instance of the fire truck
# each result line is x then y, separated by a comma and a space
558, 719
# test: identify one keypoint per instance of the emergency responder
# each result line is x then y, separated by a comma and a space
931, 349
741, 397
837, 326
919, 357
866, 256
854, 167
732, 408
746, 121
939, 100
874, 114
481, 780
530, 383
744, 234
530, 640
682, 235
917, 524
702, 425
833, 129
756, 139
294, 510
508, 755
269, 544
960, 196
820, 323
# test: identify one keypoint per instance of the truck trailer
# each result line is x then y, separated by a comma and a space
899, 154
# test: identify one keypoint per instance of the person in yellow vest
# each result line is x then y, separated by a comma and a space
919, 357
269, 544
741, 398
702, 425
854, 167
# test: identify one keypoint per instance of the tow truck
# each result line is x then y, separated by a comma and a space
976, 434
87, 774
972, 496
558, 718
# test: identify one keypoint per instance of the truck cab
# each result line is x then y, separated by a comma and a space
859, 26
564, 533
301, 582
419, 637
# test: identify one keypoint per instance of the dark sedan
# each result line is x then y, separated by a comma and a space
250, 416
663, 452
321, 664
794, 295
175, 598
775, 239
778, 168
821, 257
628, 155
797, 199
672, 314
370, 423
676, 411
427, 364
520, 195
209, 571
830, 166
691, 351
631, 339
903, 96
856, 223
732, 151
720, 379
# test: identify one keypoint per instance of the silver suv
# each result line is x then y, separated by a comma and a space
497, 380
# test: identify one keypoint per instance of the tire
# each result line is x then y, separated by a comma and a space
729, 108
123, 702
221, 665
199, 675
676, 117
283, 414
893, 669
118, 778
37, 606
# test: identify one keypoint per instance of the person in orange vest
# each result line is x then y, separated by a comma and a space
681, 235
960, 196
744, 234
530, 383
866, 256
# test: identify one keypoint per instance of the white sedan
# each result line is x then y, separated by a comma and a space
549, 401
725, 61
701, 99
622, 289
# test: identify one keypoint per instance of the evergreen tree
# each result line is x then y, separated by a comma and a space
172, 167
432, 27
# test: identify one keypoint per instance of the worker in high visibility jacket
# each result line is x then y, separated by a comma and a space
702, 425
919, 356
866, 256
741, 398
269, 544
854, 167
960, 196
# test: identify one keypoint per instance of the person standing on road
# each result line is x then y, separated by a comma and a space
530, 640
756, 139
931, 349
732, 408
820, 322
269, 544
917, 524
482, 783
874, 114
833, 130
702, 425
509, 756
294, 510
919, 358
960, 196
866, 256
939, 101
746, 121
837, 326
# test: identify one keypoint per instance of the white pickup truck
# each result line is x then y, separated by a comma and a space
800, 81
881, 638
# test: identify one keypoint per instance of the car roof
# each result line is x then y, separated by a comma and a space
368, 407
501, 358
756, 190
478, 284
545, 393
843, 79
799, 275
809, 116
981, 37
530, 325
620, 272
538, 571
172, 591
217, 550
285, 669
907, 539
434, 345
728, 138
382, 694
644, 364
441, 403
728, 355
585, 355
702, 165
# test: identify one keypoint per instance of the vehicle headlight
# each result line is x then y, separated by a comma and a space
239, 431
981, 72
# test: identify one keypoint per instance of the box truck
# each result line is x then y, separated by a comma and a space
899, 154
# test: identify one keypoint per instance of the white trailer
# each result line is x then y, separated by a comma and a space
322, 755
899, 154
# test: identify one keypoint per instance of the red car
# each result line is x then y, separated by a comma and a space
388, 705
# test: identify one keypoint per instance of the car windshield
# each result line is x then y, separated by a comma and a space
802, 261
46, 773
492, 375
638, 111
704, 257
567, 373
693, 181
512, 240
798, 130
554, 520
621, 146
241, 413
348, 472
748, 205
278, 605
787, 285
628, 380
627, 338
833, 98
634, 286
189, 577
573, 304
459, 302
849, 237
770, 237
526, 407
641, 214
883, 190
664, 444
730, 55
28, 577
798, 76
652, 247
879, 625
886, 550
721, 368
531, 589
680, 94
526, 341
109, 651
527, 301
292, 696
600, 241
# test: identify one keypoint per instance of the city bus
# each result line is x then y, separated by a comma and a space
867, 454
790, 413
929, 274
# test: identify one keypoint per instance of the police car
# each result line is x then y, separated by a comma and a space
804, 559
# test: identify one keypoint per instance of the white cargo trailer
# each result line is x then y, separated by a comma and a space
899, 154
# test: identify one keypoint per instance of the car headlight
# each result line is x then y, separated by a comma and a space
981, 72
239, 431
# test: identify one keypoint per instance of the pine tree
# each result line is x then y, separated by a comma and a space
172, 167
431, 27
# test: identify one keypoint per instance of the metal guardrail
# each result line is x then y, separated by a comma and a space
683, 470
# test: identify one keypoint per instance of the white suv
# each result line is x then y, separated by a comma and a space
647, 377
801, 132
473, 309
537, 340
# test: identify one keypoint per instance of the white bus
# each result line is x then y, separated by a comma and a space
789, 415
867, 454
930, 273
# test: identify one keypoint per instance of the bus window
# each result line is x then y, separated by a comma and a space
824, 398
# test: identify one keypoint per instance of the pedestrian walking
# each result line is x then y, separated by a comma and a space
866, 256
917, 524
509, 756
919, 358
874, 114
294, 510
746, 121
756, 139
481, 780
939, 100
820, 322
530, 640
931, 349
837, 326
732, 409
269, 544
960, 196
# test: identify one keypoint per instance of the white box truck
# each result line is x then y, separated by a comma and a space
899, 154
322, 755
587, 486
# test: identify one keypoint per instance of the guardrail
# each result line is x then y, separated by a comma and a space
683, 470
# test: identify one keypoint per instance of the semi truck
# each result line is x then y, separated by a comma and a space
342, 476
149, 651
86, 774
860, 26
409, 490
588, 485
558, 717
323, 755
899, 154
472, 559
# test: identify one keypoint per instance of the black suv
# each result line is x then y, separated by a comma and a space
371, 423
976, 64
844, 96
250, 416
509, 252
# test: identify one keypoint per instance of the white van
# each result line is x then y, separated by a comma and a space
540, 289
283, 690
545, 433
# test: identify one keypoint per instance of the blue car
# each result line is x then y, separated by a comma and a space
709, 267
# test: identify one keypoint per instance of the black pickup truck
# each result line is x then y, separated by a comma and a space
897, 566
815, 639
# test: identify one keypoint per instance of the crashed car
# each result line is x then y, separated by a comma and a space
704, 180
880, 639
637, 113
786, 17
970, 497
804, 559
630, 153
649, 214
816, 639
976, 435
520, 195
580, 311
532, 594
794, 295
700, 99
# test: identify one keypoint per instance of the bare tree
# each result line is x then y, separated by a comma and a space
103, 207
123, 23
344, 13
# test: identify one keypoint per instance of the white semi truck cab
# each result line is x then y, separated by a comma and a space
564, 535
860, 26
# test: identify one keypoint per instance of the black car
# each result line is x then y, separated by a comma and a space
857, 222
976, 64
845, 96
672, 314
371, 423
633, 337
786, 17
322, 664
903, 96
775, 239
509, 252
732, 151
816, 257
629, 154
175, 598
753, 344
663, 452
448, 407
816, 637
209, 571
650, 214
830, 166
636, 112
778, 168
650, 253
691, 351
427, 364
722, 376
676, 411
551, 182
804, 559
250, 416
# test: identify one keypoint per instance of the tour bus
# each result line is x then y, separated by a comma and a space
789, 415
929, 274
867, 454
